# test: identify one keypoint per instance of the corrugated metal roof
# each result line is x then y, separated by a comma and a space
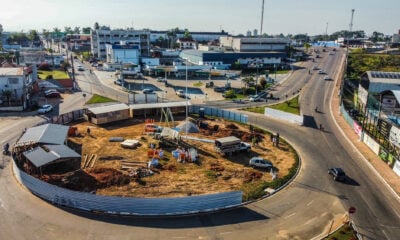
159, 105
47, 134
108, 108
62, 151
384, 77
40, 157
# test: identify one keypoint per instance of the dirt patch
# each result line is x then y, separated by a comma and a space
113, 169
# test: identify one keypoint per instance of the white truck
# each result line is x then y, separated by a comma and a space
229, 145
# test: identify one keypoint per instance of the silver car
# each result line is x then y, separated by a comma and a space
45, 109
258, 162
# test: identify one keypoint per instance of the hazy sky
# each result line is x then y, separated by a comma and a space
235, 16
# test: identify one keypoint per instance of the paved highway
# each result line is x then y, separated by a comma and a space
303, 210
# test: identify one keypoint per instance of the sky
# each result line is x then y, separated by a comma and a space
310, 17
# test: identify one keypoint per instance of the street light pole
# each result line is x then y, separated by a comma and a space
186, 97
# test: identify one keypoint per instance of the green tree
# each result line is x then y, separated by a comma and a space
263, 82
77, 30
7, 94
17, 38
86, 30
68, 30
96, 26
307, 46
187, 34
56, 33
33, 35
377, 37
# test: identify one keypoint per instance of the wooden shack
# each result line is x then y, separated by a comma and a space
107, 114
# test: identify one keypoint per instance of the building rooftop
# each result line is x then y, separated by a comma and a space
46, 154
46, 134
12, 71
108, 108
383, 76
159, 105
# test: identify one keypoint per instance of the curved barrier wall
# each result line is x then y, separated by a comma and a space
125, 205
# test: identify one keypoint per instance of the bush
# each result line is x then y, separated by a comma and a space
250, 91
230, 94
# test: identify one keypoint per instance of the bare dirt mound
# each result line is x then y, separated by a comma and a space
88, 180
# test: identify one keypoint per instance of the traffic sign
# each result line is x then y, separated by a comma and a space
352, 210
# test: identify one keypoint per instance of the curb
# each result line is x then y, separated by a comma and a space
394, 193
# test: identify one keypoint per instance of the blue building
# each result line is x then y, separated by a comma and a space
214, 58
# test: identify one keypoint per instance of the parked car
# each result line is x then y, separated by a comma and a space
80, 68
180, 93
258, 162
210, 84
327, 78
147, 91
118, 82
160, 79
219, 89
53, 94
321, 72
337, 173
45, 109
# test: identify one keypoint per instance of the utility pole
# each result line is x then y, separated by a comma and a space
351, 20
326, 31
262, 17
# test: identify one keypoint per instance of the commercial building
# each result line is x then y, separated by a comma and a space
252, 44
105, 35
396, 37
122, 53
227, 58
373, 84
196, 36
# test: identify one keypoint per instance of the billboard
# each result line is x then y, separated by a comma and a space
394, 136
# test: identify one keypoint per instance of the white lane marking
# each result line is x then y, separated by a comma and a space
308, 204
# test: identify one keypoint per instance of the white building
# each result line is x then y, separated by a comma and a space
17, 81
196, 36
104, 35
246, 44
186, 43
122, 53
396, 37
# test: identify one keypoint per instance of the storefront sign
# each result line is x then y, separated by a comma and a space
384, 127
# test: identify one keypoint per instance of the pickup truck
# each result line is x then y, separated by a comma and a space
229, 145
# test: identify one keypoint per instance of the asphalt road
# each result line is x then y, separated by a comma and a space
303, 210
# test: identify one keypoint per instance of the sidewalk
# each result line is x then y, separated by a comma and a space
375, 162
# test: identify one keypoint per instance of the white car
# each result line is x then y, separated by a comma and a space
180, 93
80, 68
258, 162
327, 78
45, 109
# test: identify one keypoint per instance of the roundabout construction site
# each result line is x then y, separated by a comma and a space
138, 159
